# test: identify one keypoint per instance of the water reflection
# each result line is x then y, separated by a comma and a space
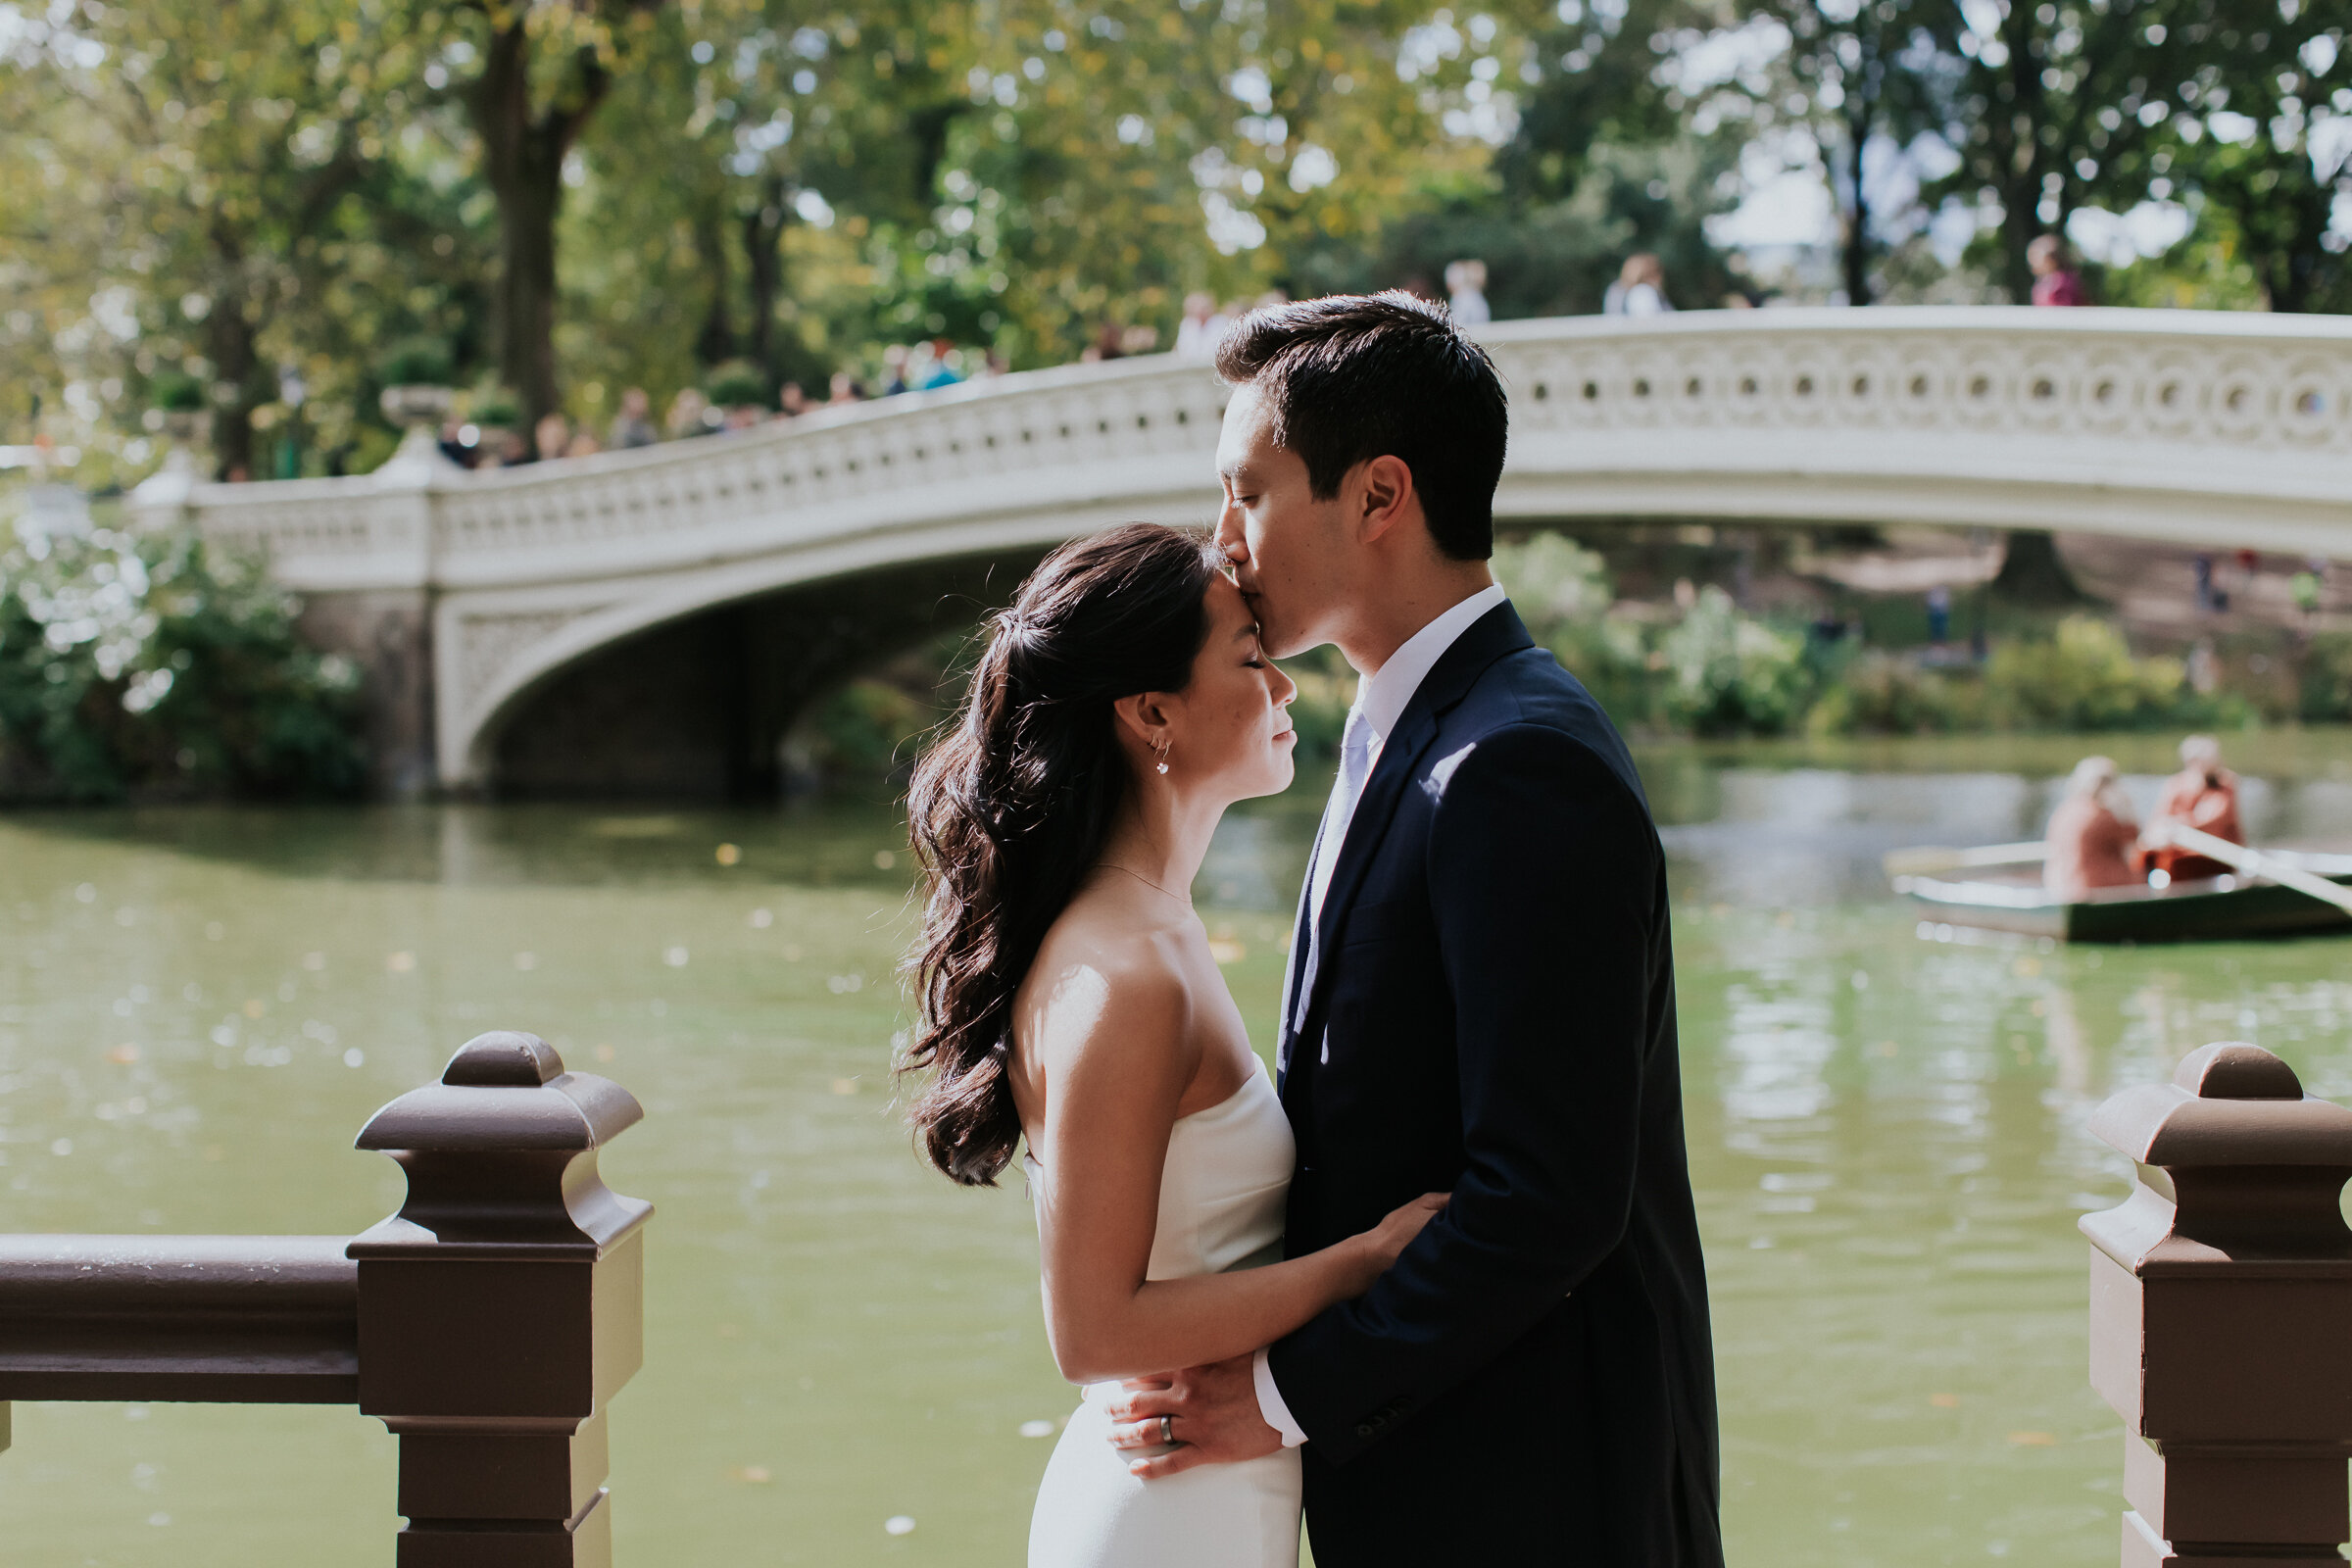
198, 1008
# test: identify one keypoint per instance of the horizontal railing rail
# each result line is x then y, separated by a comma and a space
207, 1319
506, 1225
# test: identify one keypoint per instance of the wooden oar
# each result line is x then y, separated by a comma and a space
2252, 862
1930, 859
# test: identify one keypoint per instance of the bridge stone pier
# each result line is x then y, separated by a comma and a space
505, 617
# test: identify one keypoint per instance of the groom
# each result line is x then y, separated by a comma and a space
1480, 1000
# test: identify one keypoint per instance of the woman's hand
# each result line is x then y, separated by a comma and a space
1378, 1246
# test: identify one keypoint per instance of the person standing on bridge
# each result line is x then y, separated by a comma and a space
2055, 280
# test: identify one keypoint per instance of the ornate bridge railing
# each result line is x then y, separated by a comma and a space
487, 1324
2214, 428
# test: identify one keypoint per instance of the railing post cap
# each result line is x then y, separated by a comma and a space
2229, 1105
507, 1092
2231, 1069
503, 1059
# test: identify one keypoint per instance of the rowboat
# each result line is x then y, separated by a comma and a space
2004, 893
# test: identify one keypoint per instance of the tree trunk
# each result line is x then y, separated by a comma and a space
228, 343
523, 162
763, 246
2016, 129
2033, 573
1857, 230
715, 344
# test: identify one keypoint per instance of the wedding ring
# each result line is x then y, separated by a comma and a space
1167, 1431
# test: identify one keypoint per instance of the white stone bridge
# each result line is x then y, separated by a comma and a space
473, 593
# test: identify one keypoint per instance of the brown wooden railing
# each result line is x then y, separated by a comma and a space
488, 1323
2221, 1315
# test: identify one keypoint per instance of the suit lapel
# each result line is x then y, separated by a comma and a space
1492, 635
1302, 942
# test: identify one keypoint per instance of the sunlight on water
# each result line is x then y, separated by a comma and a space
845, 1358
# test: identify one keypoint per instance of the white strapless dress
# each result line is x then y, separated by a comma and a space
1221, 1203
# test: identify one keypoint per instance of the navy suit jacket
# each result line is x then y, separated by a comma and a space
1490, 1013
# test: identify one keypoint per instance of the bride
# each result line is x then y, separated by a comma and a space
1068, 1001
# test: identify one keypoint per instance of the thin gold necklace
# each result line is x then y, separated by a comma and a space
1113, 866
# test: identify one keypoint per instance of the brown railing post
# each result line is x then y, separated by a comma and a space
501, 1307
2221, 1315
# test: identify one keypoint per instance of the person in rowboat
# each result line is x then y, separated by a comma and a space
2093, 835
2202, 795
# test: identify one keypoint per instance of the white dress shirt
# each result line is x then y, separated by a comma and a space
1381, 699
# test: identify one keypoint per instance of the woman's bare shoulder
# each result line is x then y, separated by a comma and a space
1102, 970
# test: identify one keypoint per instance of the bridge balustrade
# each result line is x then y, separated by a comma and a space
2216, 429
488, 1323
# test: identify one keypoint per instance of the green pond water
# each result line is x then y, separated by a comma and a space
198, 1008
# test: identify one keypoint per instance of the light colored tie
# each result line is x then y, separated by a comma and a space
1356, 764
1355, 757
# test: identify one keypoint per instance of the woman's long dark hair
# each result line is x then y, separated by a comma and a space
1010, 809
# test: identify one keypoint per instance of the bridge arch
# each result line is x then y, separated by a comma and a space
2219, 430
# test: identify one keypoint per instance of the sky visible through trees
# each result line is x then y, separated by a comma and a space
256, 206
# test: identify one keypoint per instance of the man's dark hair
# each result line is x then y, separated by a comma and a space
1358, 376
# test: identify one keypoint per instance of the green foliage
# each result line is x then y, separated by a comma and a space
416, 362
1881, 693
2084, 677
1730, 675
1563, 592
138, 668
2327, 683
176, 392
737, 384
495, 407
865, 730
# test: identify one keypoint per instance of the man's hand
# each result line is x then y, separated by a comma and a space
1213, 1415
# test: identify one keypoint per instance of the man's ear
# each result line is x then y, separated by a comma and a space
1384, 493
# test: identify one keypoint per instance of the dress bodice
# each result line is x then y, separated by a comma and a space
1223, 1186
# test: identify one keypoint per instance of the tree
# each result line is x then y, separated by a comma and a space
2053, 110
214, 144
1869, 69
2264, 98
545, 69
